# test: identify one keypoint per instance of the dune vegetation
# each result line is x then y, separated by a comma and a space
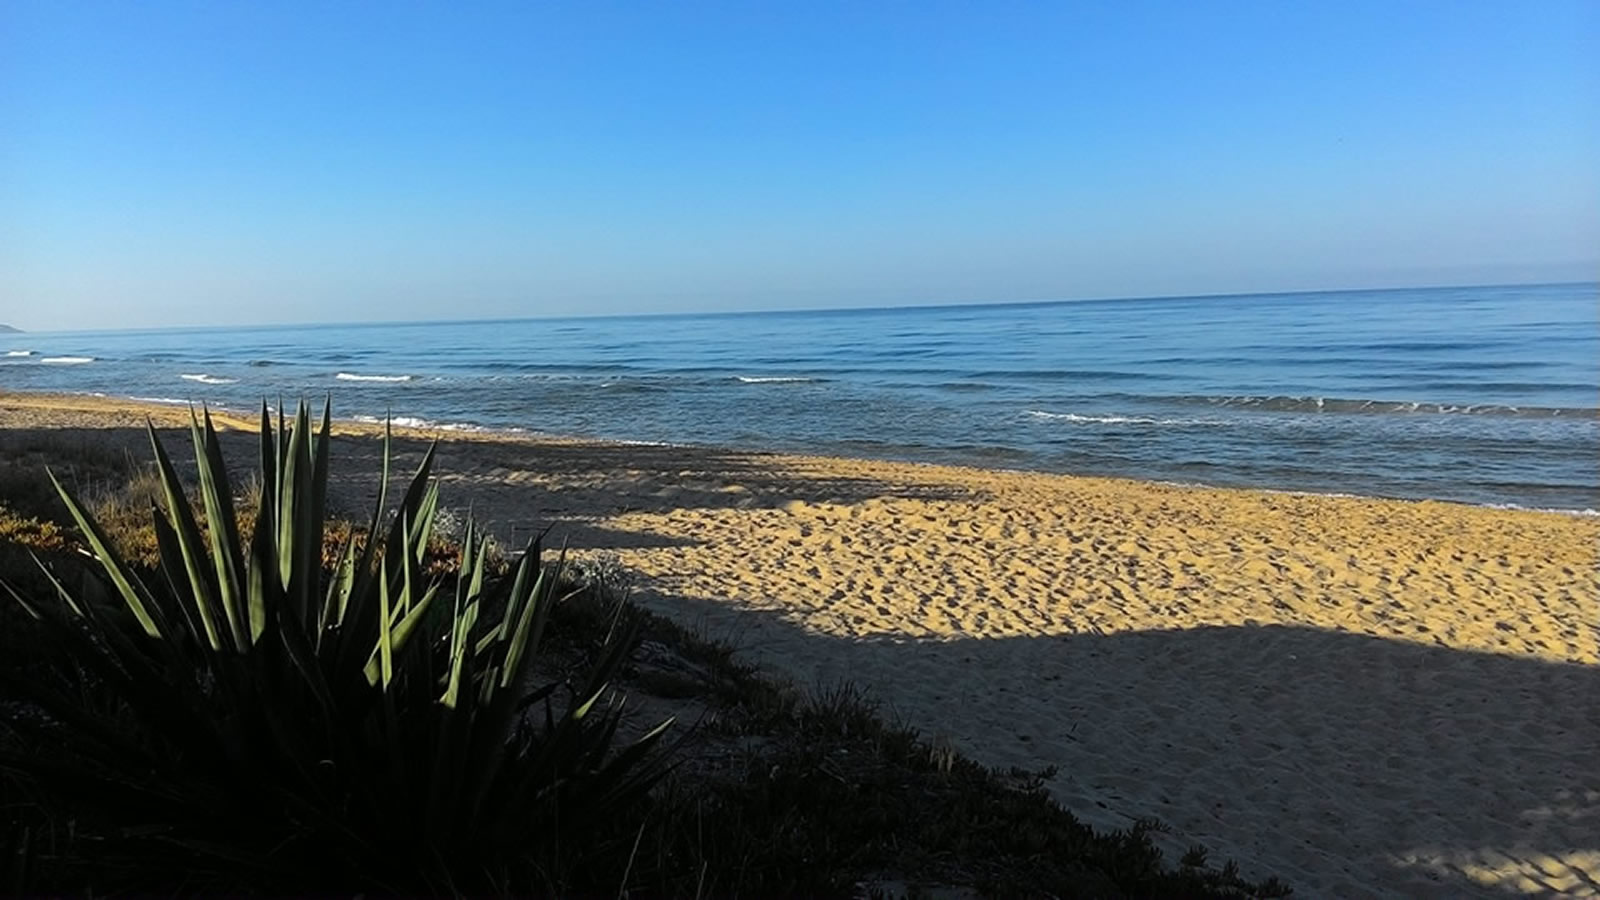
214, 685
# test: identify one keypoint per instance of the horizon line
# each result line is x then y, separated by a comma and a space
958, 304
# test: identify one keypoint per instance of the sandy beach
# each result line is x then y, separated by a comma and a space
1363, 697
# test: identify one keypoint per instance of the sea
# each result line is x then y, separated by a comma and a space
1482, 395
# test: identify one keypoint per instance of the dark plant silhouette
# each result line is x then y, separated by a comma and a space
248, 715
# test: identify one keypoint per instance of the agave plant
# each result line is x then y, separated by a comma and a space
243, 711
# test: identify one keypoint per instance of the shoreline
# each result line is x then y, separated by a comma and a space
452, 430
1364, 697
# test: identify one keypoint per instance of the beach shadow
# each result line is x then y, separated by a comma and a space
506, 484
1345, 764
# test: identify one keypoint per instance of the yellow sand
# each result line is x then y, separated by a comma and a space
1363, 697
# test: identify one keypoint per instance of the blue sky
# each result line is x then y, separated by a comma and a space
215, 163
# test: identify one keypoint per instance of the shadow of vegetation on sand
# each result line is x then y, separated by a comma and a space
570, 485
1344, 764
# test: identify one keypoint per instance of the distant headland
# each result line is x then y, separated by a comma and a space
7, 329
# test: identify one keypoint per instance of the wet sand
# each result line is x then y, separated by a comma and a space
1364, 697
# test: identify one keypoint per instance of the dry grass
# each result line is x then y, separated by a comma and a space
83, 463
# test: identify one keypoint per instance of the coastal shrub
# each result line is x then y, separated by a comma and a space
246, 715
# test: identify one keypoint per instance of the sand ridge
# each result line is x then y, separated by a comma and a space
1365, 697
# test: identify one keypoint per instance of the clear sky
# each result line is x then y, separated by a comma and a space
210, 163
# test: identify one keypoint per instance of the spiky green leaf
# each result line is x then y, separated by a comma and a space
191, 544
138, 600
227, 555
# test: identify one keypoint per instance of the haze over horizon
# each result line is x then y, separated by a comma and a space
184, 164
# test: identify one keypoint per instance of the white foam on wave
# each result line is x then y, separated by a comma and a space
1117, 420
412, 422
350, 376
429, 424
775, 379
402, 421
66, 360
19, 352
209, 379
621, 442
168, 401
1581, 513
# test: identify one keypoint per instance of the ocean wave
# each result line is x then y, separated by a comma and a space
1062, 374
1375, 407
1426, 346
167, 401
966, 386
634, 443
348, 376
632, 386
19, 352
554, 368
66, 360
401, 421
1581, 513
1078, 418
429, 424
537, 376
776, 379
1464, 384
210, 379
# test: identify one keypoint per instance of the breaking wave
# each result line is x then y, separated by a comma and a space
348, 376
1378, 407
1120, 420
418, 422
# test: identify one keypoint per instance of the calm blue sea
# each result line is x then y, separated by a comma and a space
1483, 395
